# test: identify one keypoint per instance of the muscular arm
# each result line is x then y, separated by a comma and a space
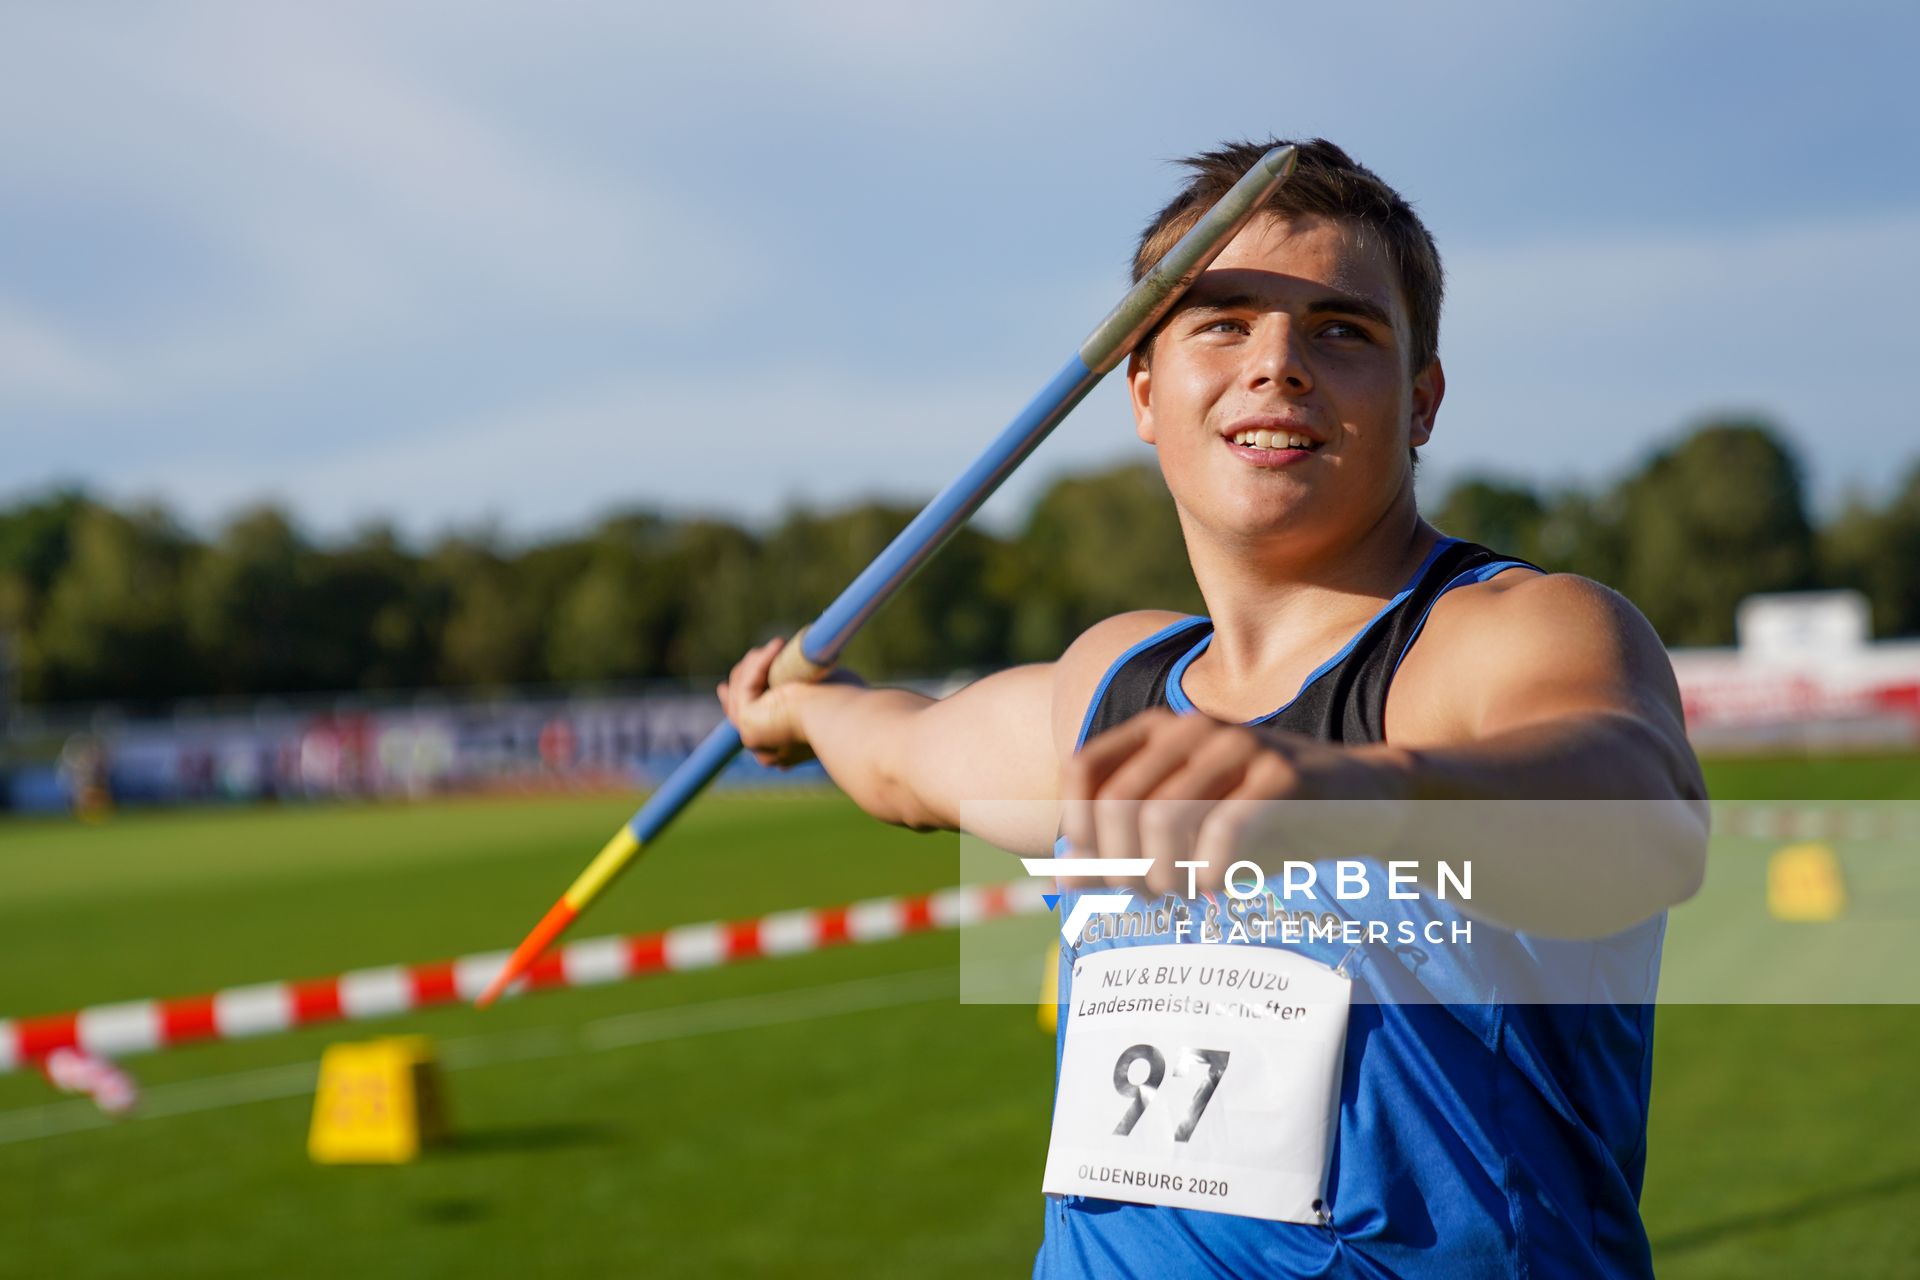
919, 762
1576, 724
1545, 700
915, 761
1542, 687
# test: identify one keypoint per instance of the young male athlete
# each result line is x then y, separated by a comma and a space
1351, 652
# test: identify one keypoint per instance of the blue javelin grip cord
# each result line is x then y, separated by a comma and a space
814, 650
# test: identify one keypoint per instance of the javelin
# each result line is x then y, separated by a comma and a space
813, 650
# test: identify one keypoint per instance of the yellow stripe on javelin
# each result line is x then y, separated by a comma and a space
607, 864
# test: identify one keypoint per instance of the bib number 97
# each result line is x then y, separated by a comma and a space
1140, 1093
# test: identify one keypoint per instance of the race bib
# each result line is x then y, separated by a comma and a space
1201, 1077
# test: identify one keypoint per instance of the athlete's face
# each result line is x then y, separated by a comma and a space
1298, 330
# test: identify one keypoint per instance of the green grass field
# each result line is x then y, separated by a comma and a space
827, 1114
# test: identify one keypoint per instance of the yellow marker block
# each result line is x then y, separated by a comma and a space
1804, 885
379, 1102
1050, 991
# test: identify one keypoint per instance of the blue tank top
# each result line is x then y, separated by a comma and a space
1476, 1138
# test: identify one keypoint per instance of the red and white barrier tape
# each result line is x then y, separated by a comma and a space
114, 1030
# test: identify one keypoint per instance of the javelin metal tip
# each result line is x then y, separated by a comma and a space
1281, 160
1157, 291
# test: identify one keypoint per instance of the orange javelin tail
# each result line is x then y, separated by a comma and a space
531, 948
600, 873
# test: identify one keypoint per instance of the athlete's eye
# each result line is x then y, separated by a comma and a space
1345, 329
1224, 326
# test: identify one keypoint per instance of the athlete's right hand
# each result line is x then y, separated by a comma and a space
765, 716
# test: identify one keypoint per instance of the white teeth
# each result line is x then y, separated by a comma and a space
1273, 439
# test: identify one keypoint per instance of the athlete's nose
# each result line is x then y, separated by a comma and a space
1275, 359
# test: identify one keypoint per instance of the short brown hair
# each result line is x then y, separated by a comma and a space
1326, 183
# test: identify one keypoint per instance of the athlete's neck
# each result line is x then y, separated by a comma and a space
1275, 605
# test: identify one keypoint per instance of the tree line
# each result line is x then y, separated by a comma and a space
99, 602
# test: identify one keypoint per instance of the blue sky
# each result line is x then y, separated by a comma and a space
454, 264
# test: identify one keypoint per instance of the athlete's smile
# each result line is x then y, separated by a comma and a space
1272, 440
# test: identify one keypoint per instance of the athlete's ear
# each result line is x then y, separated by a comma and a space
1429, 389
1140, 394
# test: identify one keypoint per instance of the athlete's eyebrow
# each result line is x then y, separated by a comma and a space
1351, 305
1199, 299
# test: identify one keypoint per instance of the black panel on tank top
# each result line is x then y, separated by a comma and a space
1345, 704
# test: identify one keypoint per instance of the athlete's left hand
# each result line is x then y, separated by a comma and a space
1188, 788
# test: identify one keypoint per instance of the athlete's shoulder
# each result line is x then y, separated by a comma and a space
1529, 605
1088, 658
1107, 639
1524, 627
